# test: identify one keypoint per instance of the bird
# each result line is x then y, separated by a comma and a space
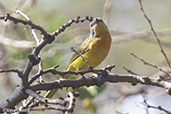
93, 49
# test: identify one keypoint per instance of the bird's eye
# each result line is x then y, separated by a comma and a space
93, 32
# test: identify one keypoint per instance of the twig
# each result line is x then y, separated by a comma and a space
118, 112
47, 38
34, 36
149, 64
68, 24
155, 34
107, 10
32, 25
44, 100
26, 104
42, 72
156, 107
129, 71
71, 100
28, 19
121, 38
20, 44
89, 66
12, 70
11, 111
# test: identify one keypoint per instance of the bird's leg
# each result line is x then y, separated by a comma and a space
90, 67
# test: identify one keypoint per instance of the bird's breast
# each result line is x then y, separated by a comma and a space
98, 51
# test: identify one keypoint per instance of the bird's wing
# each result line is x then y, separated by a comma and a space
84, 47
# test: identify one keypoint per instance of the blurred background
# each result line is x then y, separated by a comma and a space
130, 32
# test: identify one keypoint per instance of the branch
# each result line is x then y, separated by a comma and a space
32, 25
47, 38
116, 39
89, 66
62, 73
129, 71
156, 107
149, 64
12, 70
155, 34
33, 58
101, 79
28, 19
44, 100
139, 35
20, 44
66, 105
107, 10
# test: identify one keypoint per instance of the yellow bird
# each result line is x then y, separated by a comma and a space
94, 49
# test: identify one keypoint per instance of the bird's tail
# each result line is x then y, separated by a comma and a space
50, 93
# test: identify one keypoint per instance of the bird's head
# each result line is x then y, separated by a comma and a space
98, 28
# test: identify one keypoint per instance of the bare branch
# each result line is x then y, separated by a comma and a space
149, 64
129, 71
62, 73
32, 25
47, 38
116, 39
68, 24
71, 100
34, 36
62, 102
42, 72
155, 34
156, 107
107, 10
28, 19
21, 44
44, 100
102, 78
12, 70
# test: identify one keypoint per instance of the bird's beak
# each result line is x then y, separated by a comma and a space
95, 21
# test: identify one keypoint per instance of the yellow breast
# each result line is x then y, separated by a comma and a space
97, 51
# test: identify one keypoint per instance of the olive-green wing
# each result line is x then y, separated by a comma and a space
82, 49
